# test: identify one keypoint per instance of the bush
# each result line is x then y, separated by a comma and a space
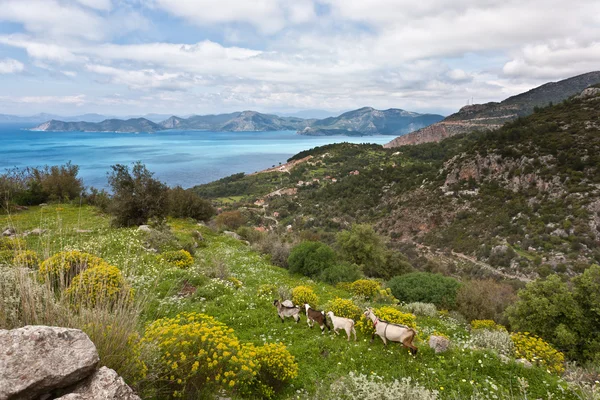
178, 258
342, 272
426, 288
536, 350
195, 353
484, 299
311, 258
267, 290
365, 288
62, 267
362, 246
187, 204
361, 387
344, 308
137, 196
27, 259
499, 341
6, 257
389, 314
272, 245
423, 309
277, 366
102, 284
487, 324
304, 295
385, 296
12, 244
230, 220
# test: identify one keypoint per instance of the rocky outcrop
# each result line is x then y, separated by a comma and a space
104, 384
40, 362
439, 344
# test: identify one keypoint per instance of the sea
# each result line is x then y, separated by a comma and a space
177, 157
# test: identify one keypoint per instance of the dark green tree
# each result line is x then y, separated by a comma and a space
362, 246
425, 287
311, 258
187, 204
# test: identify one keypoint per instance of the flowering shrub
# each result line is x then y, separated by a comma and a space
385, 296
344, 308
363, 387
486, 324
304, 294
27, 258
268, 290
178, 258
389, 314
101, 284
197, 352
365, 288
235, 282
6, 257
496, 340
538, 351
62, 267
7, 243
423, 309
277, 366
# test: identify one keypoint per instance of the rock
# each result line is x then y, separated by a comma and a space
37, 232
439, 343
198, 236
233, 235
504, 358
8, 232
526, 363
144, 228
105, 384
36, 360
83, 231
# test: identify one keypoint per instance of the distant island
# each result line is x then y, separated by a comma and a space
365, 121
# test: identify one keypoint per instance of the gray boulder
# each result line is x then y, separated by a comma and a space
105, 384
37, 232
233, 235
439, 344
526, 363
144, 228
36, 360
8, 232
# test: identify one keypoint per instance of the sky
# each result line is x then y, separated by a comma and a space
126, 57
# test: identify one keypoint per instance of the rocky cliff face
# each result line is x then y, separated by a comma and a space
491, 116
43, 362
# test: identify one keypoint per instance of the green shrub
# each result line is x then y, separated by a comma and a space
484, 299
62, 267
103, 284
304, 295
341, 272
344, 308
12, 244
422, 309
230, 220
426, 288
359, 387
178, 258
362, 246
187, 204
6, 257
499, 341
311, 258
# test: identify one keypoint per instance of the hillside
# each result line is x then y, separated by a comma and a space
109, 125
491, 116
230, 282
368, 121
523, 199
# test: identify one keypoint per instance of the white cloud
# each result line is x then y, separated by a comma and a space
10, 66
77, 100
103, 5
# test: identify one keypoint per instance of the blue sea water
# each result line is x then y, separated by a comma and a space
185, 158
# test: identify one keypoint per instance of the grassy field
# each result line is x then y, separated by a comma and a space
461, 373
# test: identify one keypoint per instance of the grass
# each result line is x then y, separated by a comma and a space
457, 374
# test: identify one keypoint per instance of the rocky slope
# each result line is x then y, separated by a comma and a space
109, 125
368, 121
491, 116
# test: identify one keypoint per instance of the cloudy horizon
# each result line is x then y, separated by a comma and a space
126, 57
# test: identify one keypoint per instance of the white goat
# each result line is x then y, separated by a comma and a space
346, 324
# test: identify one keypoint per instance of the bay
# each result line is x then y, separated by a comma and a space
185, 158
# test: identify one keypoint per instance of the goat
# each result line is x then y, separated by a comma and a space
392, 332
284, 311
316, 316
346, 324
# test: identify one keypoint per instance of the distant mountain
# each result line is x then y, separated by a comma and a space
367, 121
109, 125
311, 114
493, 115
236, 122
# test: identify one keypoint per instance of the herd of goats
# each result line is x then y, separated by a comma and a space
385, 330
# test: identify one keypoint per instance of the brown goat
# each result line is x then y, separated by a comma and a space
319, 317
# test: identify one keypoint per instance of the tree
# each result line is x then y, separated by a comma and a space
187, 204
230, 220
311, 258
587, 294
137, 196
341, 272
548, 309
361, 245
426, 288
